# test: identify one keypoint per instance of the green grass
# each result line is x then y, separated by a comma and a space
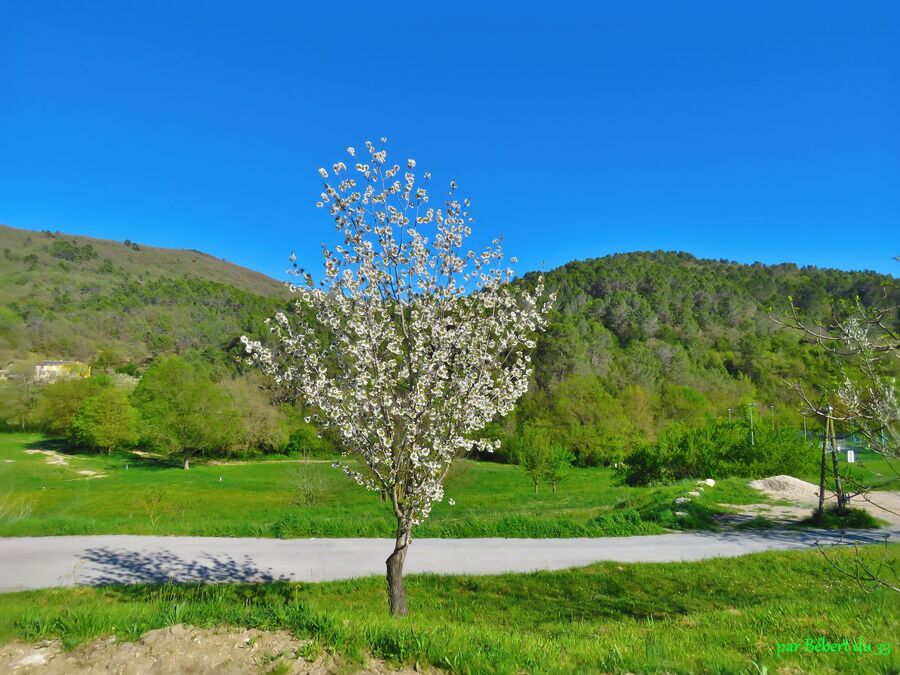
715, 616
291, 499
831, 518
870, 470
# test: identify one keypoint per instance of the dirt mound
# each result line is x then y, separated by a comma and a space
884, 505
787, 487
53, 457
183, 649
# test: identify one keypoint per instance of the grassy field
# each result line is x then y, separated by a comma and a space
716, 616
293, 499
871, 469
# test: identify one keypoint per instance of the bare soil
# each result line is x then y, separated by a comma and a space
184, 649
52, 457
881, 504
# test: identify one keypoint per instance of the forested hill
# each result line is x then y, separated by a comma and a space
641, 340
637, 341
63, 295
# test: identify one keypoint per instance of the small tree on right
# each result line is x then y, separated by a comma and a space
531, 452
864, 343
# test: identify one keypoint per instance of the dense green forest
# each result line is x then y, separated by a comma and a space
637, 341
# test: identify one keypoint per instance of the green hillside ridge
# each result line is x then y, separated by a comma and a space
640, 341
637, 341
144, 259
65, 295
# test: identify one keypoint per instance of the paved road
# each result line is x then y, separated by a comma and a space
41, 562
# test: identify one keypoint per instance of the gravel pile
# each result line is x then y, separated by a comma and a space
788, 487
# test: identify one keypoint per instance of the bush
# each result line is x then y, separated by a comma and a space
833, 518
720, 449
308, 441
71, 251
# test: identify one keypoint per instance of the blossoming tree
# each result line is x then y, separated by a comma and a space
416, 344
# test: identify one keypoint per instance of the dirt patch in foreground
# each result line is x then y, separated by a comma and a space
184, 649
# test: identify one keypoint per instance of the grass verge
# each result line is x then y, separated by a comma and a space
723, 615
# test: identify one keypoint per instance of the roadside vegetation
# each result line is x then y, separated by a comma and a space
726, 615
833, 518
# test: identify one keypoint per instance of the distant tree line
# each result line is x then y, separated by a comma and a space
177, 409
637, 343
640, 342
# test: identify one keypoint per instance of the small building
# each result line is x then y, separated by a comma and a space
52, 371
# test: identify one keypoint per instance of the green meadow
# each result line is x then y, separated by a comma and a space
715, 616
135, 495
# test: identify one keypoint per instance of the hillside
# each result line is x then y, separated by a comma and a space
636, 342
74, 296
671, 313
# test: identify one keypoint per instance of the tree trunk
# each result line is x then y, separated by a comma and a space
841, 501
187, 463
396, 592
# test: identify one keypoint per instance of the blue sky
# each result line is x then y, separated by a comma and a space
748, 131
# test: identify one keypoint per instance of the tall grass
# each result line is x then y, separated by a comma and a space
14, 508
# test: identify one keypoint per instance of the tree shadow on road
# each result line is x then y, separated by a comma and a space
108, 567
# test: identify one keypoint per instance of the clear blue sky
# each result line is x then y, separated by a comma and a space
751, 131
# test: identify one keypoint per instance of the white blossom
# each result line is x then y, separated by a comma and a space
417, 343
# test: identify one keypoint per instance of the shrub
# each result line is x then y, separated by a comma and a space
71, 251
833, 518
720, 449
306, 440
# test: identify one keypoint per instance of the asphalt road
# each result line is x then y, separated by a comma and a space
41, 562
